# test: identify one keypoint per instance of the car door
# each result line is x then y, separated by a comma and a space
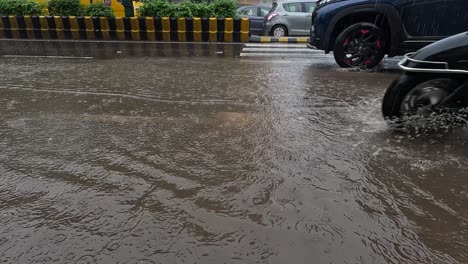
457, 20
434, 19
309, 8
295, 18
256, 21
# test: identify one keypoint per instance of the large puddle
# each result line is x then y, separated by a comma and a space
219, 160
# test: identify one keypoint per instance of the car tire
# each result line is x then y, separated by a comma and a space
278, 29
362, 45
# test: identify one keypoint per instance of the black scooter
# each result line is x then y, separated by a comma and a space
435, 82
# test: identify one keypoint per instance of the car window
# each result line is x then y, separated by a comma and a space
249, 11
264, 11
293, 7
309, 7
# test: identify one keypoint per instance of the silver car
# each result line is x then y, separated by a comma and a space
289, 18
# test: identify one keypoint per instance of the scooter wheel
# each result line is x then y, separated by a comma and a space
397, 100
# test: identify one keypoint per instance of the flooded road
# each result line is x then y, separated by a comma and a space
219, 160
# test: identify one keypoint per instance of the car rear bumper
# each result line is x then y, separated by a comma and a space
267, 28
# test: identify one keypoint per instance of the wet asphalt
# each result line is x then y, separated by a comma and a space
220, 159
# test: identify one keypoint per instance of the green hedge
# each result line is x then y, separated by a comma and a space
99, 10
65, 8
150, 8
162, 8
75, 8
20, 8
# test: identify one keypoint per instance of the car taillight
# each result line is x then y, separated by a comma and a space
271, 16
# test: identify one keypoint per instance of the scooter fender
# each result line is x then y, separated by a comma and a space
449, 55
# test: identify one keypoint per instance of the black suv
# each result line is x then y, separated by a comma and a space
361, 32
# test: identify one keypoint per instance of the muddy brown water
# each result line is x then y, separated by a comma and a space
219, 160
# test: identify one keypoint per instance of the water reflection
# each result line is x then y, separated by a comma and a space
246, 162
420, 186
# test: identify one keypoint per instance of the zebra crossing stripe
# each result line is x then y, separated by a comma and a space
263, 39
275, 50
275, 45
286, 50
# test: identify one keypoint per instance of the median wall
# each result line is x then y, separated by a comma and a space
126, 28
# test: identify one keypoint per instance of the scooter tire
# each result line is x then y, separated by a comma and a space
395, 94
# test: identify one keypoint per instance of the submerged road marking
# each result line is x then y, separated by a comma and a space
289, 50
134, 96
286, 55
273, 45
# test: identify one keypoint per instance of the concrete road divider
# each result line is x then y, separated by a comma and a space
125, 28
115, 48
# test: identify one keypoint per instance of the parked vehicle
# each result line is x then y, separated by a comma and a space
435, 81
361, 32
256, 14
289, 18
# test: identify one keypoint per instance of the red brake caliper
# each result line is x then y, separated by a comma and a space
364, 32
346, 42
